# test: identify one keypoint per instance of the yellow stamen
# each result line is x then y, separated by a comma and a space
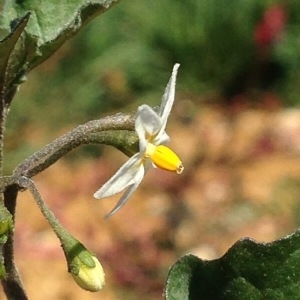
164, 158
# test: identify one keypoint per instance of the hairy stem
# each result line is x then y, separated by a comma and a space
48, 214
114, 130
12, 284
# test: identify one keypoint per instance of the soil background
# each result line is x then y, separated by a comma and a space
241, 179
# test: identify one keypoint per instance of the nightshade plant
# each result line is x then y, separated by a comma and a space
30, 32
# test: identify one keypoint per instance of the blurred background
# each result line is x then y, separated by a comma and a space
235, 125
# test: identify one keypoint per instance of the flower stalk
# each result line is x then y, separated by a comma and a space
82, 264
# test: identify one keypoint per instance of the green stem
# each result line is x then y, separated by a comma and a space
114, 130
59, 230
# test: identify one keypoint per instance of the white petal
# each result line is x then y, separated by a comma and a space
147, 125
128, 193
125, 176
161, 139
169, 95
148, 164
168, 99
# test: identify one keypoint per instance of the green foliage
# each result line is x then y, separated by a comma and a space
249, 270
11, 69
6, 225
45, 28
110, 64
30, 32
50, 25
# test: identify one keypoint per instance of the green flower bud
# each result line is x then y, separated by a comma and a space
89, 278
83, 265
6, 224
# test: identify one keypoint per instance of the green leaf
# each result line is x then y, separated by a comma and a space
6, 47
31, 31
249, 270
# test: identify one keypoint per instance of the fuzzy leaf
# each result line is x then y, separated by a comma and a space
249, 270
45, 25
6, 48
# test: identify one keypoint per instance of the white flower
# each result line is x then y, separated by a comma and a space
150, 128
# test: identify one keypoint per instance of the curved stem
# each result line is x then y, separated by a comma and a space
115, 130
109, 130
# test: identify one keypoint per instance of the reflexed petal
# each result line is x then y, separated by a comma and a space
168, 99
147, 124
139, 177
169, 95
161, 139
125, 176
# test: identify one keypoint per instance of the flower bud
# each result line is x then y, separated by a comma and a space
90, 278
6, 224
84, 266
